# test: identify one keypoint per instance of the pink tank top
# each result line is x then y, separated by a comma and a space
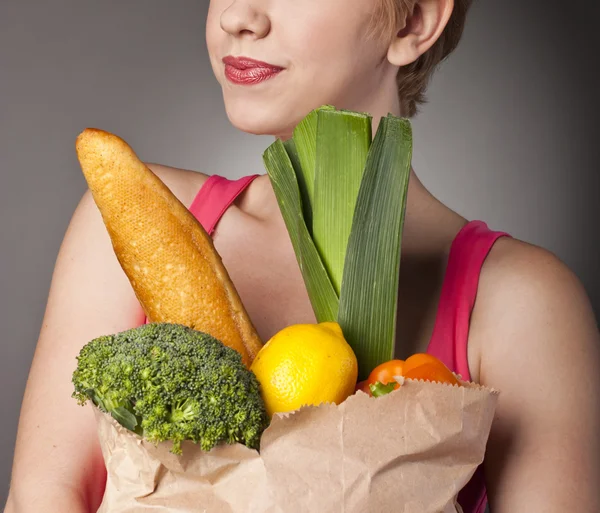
449, 339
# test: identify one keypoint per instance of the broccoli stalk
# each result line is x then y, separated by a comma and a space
169, 382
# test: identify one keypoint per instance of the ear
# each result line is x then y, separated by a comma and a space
421, 29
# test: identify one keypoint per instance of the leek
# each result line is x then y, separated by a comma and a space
369, 297
285, 185
343, 140
342, 196
292, 151
302, 149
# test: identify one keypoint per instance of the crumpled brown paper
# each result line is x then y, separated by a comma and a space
410, 451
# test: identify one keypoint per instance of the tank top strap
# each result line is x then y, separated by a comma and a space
459, 290
448, 342
215, 196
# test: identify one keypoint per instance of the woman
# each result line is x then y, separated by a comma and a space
530, 333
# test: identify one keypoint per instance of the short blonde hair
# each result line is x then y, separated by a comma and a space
413, 79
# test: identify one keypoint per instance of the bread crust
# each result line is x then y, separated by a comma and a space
171, 262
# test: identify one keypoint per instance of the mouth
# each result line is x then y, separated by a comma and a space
247, 71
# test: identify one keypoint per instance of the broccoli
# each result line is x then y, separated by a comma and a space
169, 382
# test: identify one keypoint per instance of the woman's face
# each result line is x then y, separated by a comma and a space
310, 53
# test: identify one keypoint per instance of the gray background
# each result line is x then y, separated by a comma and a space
509, 135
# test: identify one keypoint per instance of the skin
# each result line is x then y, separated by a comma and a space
533, 334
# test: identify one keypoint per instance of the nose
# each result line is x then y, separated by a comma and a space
243, 17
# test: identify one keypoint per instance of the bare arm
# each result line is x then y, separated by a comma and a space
540, 347
58, 465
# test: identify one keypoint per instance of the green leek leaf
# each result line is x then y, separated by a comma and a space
369, 293
280, 169
292, 151
343, 141
304, 145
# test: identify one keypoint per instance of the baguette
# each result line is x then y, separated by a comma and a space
170, 260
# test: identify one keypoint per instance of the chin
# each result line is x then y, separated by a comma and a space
260, 118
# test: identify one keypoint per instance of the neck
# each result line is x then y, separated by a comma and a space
428, 223
379, 97
379, 104
387, 103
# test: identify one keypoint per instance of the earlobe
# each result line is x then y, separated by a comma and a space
403, 50
421, 29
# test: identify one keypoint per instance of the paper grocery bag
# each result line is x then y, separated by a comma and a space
410, 451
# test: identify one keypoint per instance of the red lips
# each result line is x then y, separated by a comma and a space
247, 71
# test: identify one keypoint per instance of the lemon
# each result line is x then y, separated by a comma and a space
305, 364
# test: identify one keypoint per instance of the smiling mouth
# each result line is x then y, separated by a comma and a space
247, 71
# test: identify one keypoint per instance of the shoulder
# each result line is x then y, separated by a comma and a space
86, 228
539, 345
515, 268
521, 278
530, 304
183, 183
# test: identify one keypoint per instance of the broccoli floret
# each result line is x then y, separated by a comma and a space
169, 382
